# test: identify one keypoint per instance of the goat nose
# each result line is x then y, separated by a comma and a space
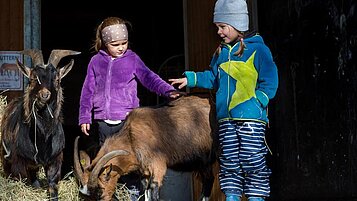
45, 94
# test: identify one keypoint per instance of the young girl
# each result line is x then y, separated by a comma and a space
245, 76
109, 90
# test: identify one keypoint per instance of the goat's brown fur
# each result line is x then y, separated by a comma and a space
173, 136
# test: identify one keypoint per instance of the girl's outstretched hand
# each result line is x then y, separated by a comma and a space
181, 81
176, 94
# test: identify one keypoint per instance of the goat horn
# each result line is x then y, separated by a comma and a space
36, 56
57, 55
77, 166
93, 179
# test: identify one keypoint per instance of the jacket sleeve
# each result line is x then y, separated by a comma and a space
206, 79
151, 80
86, 100
267, 76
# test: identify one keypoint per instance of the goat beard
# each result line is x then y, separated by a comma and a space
32, 108
39, 103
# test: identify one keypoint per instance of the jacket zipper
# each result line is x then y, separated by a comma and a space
107, 88
228, 78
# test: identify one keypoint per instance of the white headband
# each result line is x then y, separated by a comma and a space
114, 32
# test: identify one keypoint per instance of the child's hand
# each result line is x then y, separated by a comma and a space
176, 94
181, 81
85, 128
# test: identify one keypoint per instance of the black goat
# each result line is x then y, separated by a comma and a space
31, 129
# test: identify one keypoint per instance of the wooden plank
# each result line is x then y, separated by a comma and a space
11, 22
12, 31
201, 37
201, 42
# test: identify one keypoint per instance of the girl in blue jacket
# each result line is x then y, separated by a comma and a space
245, 76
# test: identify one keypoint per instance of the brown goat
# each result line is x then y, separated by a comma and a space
31, 128
178, 135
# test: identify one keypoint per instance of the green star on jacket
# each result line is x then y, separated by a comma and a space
244, 84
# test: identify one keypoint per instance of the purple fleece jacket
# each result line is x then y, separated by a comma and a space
110, 87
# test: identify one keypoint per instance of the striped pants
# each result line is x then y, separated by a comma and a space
243, 166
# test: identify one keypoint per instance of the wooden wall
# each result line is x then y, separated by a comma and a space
11, 31
200, 42
201, 39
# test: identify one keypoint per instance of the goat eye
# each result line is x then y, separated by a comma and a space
107, 177
33, 80
104, 178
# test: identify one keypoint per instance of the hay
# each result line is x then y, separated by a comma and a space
17, 190
11, 190
3, 103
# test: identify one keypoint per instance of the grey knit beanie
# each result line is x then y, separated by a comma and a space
232, 12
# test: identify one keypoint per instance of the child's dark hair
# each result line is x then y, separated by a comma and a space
98, 42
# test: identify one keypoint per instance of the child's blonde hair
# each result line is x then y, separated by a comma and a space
98, 42
239, 52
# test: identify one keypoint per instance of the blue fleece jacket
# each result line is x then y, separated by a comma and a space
244, 84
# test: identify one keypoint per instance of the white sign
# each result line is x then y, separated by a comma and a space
10, 76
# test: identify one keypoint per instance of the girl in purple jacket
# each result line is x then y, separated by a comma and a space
109, 90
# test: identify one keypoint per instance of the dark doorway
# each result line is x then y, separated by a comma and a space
156, 36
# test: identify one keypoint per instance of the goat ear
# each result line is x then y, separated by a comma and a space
84, 159
107, 172
24, 69
65, 69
